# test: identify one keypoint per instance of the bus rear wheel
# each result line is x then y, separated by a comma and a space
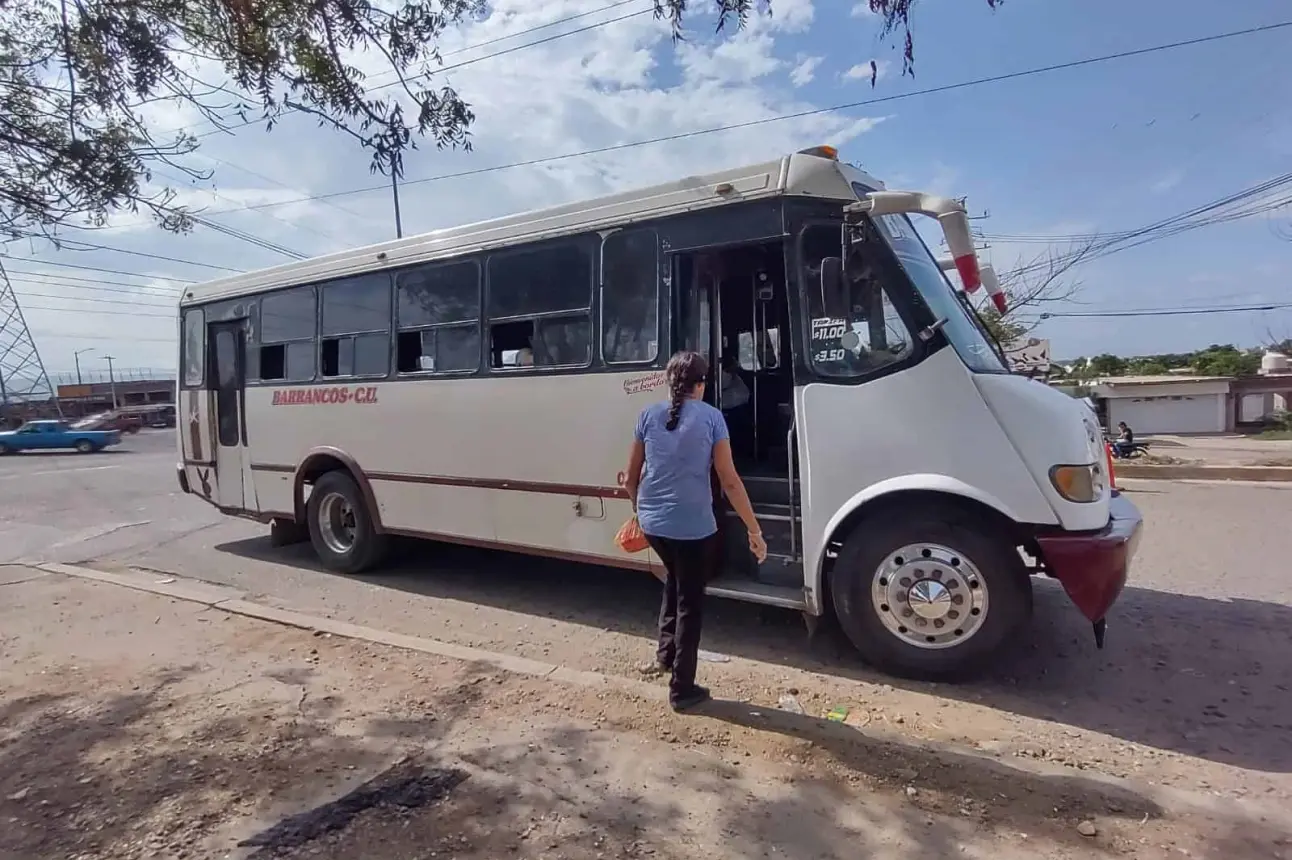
933, 596
341, 526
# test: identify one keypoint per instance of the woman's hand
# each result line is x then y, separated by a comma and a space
758, 546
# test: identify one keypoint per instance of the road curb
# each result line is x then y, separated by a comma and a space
1189, 471
234, 602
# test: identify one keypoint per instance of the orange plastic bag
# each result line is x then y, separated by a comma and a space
630, 537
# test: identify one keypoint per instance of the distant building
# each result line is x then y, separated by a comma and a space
1187, 404
142, 396
1166, 404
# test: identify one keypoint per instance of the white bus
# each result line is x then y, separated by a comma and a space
479, 385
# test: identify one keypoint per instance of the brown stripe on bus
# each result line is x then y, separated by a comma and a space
477, 483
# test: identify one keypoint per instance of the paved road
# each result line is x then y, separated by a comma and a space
65, 506
1196, 663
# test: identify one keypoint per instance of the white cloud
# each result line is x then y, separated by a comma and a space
805, 71
861, 9
1167, 182
878, 69
619, 83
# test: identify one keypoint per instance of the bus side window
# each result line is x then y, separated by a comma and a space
355, 326
287, 324
194, 345
630, 297
438, 309
540, 306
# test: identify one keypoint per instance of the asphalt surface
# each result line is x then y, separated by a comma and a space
1196, 661
65, 506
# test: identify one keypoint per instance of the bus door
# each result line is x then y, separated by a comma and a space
226, 369
697, 313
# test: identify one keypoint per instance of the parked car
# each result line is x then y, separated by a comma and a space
119, 421
53, 435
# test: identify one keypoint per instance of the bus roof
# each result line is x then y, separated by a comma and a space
805, 174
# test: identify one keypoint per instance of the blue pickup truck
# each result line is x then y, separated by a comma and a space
53, 435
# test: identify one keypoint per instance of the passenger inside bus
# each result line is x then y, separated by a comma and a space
737, 311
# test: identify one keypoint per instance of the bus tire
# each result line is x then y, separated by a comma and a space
932, 595
341, 526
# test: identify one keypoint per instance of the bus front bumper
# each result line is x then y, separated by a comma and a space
1093, 566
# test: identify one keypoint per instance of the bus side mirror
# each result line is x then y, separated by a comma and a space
834, 288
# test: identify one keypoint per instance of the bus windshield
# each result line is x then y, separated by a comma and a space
970, 342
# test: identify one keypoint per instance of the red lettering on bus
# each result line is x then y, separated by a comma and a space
364, 394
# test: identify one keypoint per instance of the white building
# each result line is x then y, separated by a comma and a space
1166, 404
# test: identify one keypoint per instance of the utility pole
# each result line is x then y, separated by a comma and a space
76, 357
112, 379
394, 191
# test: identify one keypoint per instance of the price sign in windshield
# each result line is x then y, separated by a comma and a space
830, 336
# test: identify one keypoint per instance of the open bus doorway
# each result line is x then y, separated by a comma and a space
734, 310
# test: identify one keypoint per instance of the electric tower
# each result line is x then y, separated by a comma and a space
22, 374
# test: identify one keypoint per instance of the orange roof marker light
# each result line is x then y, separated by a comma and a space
822, 152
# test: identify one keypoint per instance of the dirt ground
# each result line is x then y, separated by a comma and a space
136, 726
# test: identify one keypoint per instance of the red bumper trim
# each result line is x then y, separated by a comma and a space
1093, 566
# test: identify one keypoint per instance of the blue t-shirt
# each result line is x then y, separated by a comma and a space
675, 498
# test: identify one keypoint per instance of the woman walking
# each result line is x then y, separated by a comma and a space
675, 448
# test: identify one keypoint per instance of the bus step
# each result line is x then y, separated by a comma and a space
786, 597
767, 511
770, 489
776, 532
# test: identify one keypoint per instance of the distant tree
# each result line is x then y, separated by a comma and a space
1107, 365
1146, 366
76, 76
1033, 284
1225, 360
1006, 331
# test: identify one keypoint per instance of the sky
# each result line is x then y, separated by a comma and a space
1099, 148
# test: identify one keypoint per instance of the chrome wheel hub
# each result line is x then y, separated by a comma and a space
929, 596
337, 523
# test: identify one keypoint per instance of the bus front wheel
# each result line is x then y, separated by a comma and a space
341, 526
930, 595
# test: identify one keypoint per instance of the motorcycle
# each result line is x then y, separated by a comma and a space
1136, 448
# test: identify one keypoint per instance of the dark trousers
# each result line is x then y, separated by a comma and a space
740, 428
688, 566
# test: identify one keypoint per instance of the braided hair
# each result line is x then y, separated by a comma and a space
685, 371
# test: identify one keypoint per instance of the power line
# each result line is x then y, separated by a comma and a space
111, 287
79, 336
218, 196
71, 280
100, 269
59, 277
92, 246
515, 48
244, 236
1232, 207
168, 301
135, 303
567, 19
945, 88
442, 69
1176, 311
171, 316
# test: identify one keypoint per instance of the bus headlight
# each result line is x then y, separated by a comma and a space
1077, 483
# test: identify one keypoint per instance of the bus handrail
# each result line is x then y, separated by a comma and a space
789, 447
